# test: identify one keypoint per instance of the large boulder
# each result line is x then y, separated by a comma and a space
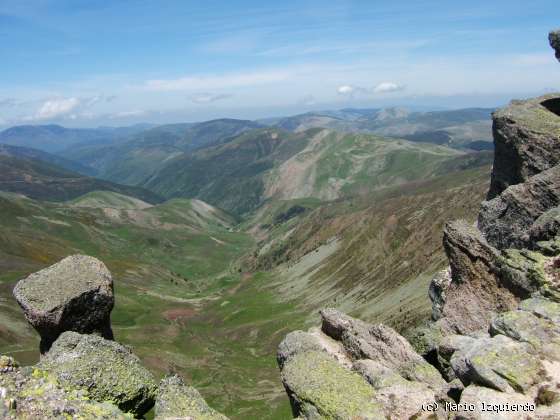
314, 340
105, 369
76, 294
526, 140
29, 393
381, 343
499, 362
506, 220
319, 387
554, 38
175, 400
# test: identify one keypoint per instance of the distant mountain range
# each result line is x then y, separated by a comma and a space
456, 128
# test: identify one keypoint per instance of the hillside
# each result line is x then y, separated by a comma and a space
133, 161
266, 164
27, 152
41, 180
54, 138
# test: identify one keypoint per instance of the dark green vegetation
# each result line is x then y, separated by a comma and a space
44, 181
135, 160
296, 221
29, 153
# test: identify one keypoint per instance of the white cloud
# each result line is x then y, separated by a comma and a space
55, 108
71, 108
387, 87
346, 90
207, 98
213, 82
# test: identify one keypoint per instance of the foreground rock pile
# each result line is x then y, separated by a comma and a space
492, 349
83, 373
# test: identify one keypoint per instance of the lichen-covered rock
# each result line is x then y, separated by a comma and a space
175, 400
541, 333
381, 343
319, 387
489, 404
314, 340
543, 308
75, 294
106, 369
554, 39
402, 398
31, 394
506, 220
499, 363
526, 140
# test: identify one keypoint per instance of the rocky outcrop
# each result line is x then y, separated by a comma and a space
526, 141
106, 369
32, 394
175, 400
493, 343
84, 376
352, 369
554, 39
507, 220
75, 294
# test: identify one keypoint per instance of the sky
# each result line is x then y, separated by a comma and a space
119, 62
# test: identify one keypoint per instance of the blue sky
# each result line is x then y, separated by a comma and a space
92, 62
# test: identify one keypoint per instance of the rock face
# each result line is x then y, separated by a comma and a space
175, 400
75, 294
106, 369
508, 219
554, 38
526, 140
493, 343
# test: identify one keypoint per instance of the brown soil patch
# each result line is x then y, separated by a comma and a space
179, 314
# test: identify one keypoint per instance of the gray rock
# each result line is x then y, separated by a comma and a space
546, 227
381, 343
402, 398
541, 333
506, 220
75, 294
33, 394
320, 388
554, 38
175, 400
499, 363
526, 140
543, 308
107, 370
476, 291
314, 340
436, 292
475, 396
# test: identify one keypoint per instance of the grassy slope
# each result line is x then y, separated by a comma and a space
373, 255
179, 301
